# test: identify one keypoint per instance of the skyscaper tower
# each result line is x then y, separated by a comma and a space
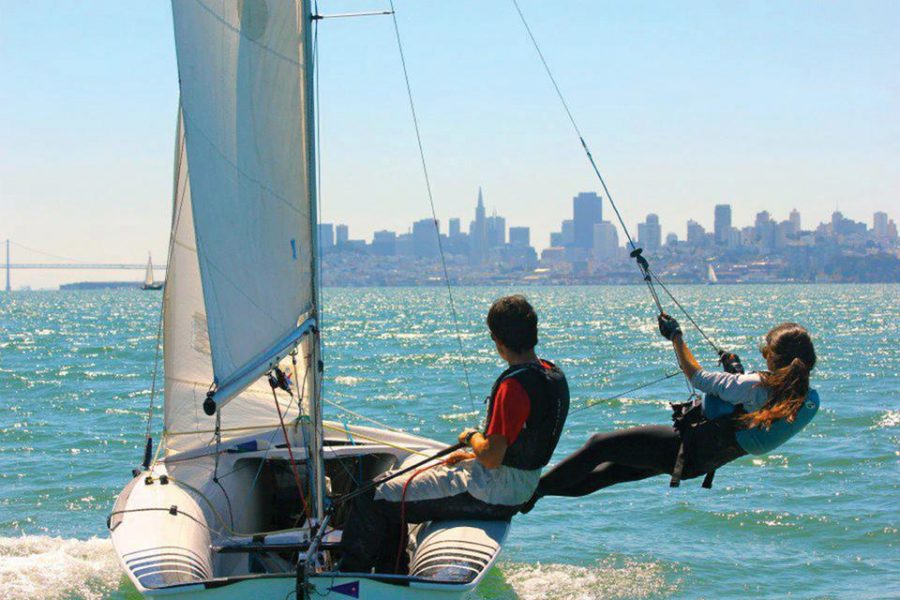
587, 211
795, 221
722, 223
650, 233
478, 233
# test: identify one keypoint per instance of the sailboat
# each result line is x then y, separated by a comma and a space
711, 278
149, 284
240, 498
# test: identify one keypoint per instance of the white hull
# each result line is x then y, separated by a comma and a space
180, 534
271, 588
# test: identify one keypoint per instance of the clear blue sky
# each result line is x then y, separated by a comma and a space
766, 105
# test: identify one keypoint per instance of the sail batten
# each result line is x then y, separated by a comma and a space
244, 96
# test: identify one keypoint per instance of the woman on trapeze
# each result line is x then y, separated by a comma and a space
741, 413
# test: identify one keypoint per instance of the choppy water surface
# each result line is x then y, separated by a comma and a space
817, 519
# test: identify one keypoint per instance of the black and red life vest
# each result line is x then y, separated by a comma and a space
548, 393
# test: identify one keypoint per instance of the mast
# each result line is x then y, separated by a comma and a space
315, 400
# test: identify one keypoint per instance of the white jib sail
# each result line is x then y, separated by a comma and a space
243, 76
148, 274
187, 349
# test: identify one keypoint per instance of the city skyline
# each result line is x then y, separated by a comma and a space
722, 223
686, 106
490, 241
587, 249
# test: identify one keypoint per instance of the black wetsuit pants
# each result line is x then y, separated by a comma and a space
616, 457
373, 535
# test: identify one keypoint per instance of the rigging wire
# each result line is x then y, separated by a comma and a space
649, 276
634, 249
287, 441
363, 417
179, 197
593, 403
715, 346
415, 119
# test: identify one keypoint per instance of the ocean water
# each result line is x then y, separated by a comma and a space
817, 519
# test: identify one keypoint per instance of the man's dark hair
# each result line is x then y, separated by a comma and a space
513, 323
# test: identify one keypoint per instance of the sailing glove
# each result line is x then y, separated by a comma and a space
731, 363
668, 326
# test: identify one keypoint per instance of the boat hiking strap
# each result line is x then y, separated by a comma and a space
437, 233
648, 276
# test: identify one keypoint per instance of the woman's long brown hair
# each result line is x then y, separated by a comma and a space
790, 350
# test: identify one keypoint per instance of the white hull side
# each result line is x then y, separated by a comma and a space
169, 537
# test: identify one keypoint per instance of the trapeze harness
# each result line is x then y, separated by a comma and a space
548, 392
711, 435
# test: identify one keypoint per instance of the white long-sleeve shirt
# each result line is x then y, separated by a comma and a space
744, 390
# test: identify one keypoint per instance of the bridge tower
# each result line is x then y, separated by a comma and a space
8, 287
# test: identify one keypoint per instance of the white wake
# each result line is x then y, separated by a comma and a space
36, 566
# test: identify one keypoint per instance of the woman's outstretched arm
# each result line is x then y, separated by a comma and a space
670, 330
686, 359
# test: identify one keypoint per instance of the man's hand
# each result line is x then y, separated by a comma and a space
465, 437
458, 456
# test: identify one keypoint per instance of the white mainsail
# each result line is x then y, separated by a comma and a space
246, 113
187, 350
148, 274
711, 275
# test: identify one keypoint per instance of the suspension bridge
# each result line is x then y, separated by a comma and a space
66, 263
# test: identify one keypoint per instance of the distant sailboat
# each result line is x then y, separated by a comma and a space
149, 284
711, 278
239, 503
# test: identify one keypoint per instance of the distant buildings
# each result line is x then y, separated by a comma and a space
496, 232
326, 235
649, 233
606, 241
885, 229
794, 220
484, 246
722, 224
519, 237
696, 234
341, 235
490, 252
424, 238
587, 211
478, 233
384, 243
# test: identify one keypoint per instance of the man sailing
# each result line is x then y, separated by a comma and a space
494, 476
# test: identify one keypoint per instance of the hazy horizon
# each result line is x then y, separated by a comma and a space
763, 105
